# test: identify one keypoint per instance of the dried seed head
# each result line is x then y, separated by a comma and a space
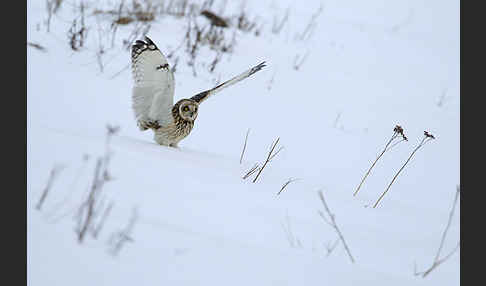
398, 129
427, 134
112, 129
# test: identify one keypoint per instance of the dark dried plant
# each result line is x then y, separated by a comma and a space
438, 260
398, 136
332, 222
427, 137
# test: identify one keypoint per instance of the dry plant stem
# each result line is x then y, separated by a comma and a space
50, 181
90, 202
311, 25
119, 238
64, 201
251, 171
269, 158
286, 184
291, 238
277, 26
88, 211
394, 136
422, 143
244, 146
437, 259
36, 46
330, 248
334, 225
99, 227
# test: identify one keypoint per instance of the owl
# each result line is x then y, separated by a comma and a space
153, 95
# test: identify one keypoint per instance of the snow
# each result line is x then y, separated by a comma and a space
370, 65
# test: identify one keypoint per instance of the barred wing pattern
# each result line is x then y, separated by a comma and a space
153, 90
200, 97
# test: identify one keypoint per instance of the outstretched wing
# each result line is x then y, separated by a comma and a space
200, 97
153, 90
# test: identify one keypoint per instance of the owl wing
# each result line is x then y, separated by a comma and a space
153, 89
200, 97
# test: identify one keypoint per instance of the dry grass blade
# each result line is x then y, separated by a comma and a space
332, 221
119, 238
278, 25
244, 146
37, 46
427, 138
269, 158
398, 130
330, 247
286, 184
253, 169
99, 227
50, 181
90, 209
437, 259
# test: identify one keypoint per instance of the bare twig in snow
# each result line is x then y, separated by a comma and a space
253, 169
286, 184
442, 98
269, 158
37, 46
427, 138
119, 238
54, 172
96, 229
244, 146
278, 25
91, 207
309, 29
332, 222
299, 61
397, 133
71, 188
293, 240
330, 247
272, 79
437, 259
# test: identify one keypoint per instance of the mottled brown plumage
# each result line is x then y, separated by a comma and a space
153, 94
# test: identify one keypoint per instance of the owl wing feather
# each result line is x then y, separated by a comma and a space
153, 89
200, 97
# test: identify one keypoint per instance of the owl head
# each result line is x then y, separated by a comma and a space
188, 109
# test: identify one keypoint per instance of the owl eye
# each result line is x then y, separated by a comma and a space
185, 108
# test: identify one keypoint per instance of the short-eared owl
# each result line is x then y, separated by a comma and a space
153, 95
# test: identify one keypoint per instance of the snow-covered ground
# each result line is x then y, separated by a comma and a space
370, 65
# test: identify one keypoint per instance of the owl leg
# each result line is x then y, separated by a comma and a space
173, 145
148, 124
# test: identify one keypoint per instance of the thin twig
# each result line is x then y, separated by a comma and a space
437, 259
269, 157
291, 238
398, 130
253, 169
427, 138
99, 227
50, 181
285, 185
330, 248
244, 146
36, 46
119, 238
333, 224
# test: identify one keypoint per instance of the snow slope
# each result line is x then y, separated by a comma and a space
370, 65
